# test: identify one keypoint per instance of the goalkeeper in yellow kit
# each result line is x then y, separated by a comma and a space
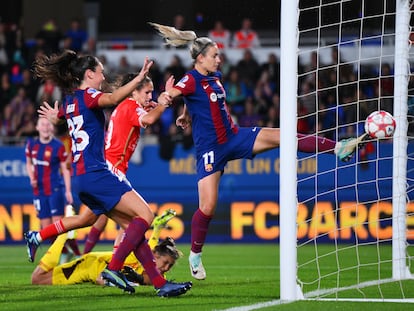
88, 267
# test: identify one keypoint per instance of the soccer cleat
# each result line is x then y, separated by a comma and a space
171, 289
196, 266
161, 221
117, 279
32, 244
346, 148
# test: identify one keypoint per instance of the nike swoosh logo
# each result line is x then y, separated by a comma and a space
205, 86
254, 129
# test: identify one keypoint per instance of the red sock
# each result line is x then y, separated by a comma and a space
52, 230
312, 144
92, 239
146, 258
199, 228
133, 236
73, 244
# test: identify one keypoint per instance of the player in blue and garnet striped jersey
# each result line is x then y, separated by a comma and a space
46, 163
81, 78
47, 168
217, 139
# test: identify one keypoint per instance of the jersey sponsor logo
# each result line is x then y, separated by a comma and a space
40, 162
70, 108
213, 97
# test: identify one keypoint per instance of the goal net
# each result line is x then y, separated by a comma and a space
354, 220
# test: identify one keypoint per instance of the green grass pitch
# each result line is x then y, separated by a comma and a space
239, 276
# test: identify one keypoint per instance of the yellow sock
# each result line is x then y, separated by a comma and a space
154, 238
51, 258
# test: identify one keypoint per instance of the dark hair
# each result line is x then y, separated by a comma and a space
126, 78
167, 247
65, 70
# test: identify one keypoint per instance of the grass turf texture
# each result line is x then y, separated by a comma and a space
237, 275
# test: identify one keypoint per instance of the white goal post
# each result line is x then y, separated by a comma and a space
356, 220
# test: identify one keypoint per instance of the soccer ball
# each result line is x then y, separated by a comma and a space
380, 124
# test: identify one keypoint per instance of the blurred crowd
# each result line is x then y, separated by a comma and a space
333, 98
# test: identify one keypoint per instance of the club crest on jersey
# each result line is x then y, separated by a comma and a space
208, 167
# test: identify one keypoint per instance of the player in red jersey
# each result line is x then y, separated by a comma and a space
217, 139
124, 129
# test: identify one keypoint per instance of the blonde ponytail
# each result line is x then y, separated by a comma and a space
174, 36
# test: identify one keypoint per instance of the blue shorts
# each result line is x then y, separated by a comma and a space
48, 206
101, 190
240, 146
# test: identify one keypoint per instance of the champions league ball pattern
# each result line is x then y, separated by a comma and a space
380, 124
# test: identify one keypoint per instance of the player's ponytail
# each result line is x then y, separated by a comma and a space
175, 37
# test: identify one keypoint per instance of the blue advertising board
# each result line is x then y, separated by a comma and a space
248, 209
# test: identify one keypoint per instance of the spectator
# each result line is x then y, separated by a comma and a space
48, 37
49, 92
265, 88
246, 37
19, 102
272, 66
220, 35
179, 22
176, 67
30, 84
7, 91
249, 70
236, 92
27, 126
308, 105
250, 118
124, 66
110, 71
273, 117
4, 58
78, 36
225, 65
15, 116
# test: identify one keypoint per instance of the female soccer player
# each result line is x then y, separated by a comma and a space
124, 130
47, 168
81, 78
88, 267
217, 139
